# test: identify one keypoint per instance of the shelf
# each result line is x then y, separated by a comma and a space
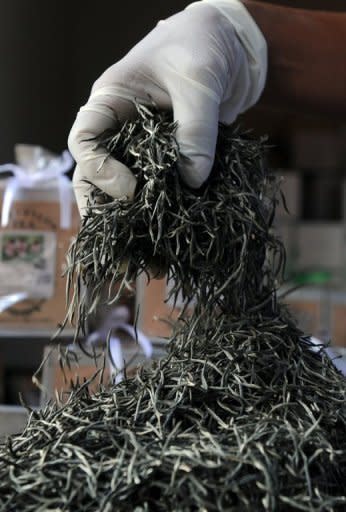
33, 334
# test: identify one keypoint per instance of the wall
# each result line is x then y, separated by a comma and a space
51, 53
33, 87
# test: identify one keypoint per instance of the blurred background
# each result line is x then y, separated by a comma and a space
52, 52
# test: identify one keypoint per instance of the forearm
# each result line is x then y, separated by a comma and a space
306, 57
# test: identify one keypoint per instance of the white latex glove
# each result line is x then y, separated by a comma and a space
208, 63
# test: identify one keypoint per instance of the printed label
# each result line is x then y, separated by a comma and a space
27, 263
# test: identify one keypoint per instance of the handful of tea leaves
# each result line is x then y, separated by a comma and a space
241, 415
209, 241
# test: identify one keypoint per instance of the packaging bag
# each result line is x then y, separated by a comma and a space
39, 217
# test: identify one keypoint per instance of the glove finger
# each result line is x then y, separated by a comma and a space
196, 111
95, 165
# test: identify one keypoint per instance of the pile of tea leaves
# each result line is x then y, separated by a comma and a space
240, 415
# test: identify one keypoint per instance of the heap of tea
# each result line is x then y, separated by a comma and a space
241, 415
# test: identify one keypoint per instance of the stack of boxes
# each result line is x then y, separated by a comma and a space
314, 235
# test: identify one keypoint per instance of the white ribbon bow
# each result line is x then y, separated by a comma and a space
118, 321
54, 171
117, 358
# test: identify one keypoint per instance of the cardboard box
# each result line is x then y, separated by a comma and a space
157, 316
54, 380
321, 245
320, 313
339, 325
41, 217
307, 314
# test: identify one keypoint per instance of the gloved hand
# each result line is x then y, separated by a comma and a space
207, 63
